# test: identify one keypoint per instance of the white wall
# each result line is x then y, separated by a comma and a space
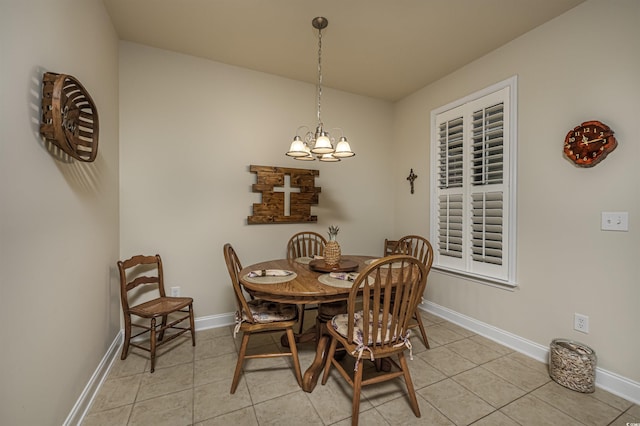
581, 66
58, 221
190, 128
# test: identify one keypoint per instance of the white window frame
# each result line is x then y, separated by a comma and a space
504, 274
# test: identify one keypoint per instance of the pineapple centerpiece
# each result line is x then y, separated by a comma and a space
332, 248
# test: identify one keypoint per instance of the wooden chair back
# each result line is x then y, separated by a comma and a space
130, 278
234, 267
418, 247
305, 244
391, 289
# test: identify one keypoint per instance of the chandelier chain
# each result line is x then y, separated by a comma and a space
319, 75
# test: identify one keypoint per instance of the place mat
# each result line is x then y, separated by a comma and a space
327, 279
303, 260
271, 279
393, 265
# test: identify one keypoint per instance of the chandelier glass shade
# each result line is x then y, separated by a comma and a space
319, 143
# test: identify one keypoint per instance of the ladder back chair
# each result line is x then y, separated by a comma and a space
391, 288
139, 274
259, 316
305, 244
420, 248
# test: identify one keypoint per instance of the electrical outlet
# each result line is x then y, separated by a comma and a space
581, 323
175, 291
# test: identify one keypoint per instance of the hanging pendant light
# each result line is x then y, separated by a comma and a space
319, 142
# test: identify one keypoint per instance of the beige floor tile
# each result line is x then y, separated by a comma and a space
243, 417
176, 352
371, 417
531, 411
113, 417
580, 406
117, 392
271, 383
135, 363
491, 388
446, 361
209, 370
431, 317
491, 344
516, 373
215, 346
210, 333
292, 409
474, 352
442, 335
495, 419
213, 399
422, 373
399, 412
165, 380
167, 410
634, 411
457, 403
529, 362
613, 400
626, 420
460, 330
338, 395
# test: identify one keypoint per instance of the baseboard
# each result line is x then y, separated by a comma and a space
606, 380
82, 405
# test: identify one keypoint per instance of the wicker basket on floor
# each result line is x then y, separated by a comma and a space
573, 365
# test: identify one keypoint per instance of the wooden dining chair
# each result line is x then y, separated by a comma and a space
259, 316
391, 288
420, 248
138, 276
305, 244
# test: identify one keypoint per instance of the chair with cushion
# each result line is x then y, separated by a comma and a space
138, 277
391, 288
305, 244
420, 248
259, 316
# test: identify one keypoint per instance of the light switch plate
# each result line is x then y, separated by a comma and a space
615, 221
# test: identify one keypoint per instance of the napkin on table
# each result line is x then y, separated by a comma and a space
347, 276
269, 273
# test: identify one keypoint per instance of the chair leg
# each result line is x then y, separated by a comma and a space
357, 385
152, 349
193, 328
243, 350
418, 318
327, 363
294, 355
162, 328
127, 337
410, 389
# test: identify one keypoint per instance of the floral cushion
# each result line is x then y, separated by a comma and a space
340, 323
264, 311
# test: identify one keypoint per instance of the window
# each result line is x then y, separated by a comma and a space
473, 213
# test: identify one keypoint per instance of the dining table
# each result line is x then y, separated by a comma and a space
307, 281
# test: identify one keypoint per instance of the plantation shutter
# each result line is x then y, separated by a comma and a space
472, 188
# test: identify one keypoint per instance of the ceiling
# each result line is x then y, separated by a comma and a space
378, 48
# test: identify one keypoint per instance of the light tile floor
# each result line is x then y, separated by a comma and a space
463, 379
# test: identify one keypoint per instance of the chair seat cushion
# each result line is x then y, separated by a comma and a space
264, 311
340, 324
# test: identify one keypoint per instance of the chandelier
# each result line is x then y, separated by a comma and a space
319, 143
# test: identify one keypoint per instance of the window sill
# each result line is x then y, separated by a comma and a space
492, 282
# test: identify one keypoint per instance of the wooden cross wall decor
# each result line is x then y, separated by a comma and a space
287, 195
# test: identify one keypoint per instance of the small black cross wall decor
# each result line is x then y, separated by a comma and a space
412, 176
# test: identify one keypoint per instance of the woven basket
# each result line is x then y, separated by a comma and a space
573, 365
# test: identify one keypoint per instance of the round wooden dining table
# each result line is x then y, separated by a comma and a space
305, 287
